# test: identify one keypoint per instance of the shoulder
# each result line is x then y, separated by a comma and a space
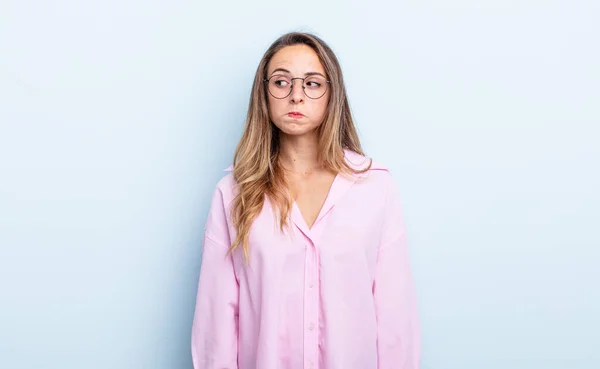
377, 172
224, 190
375, 183
227, 182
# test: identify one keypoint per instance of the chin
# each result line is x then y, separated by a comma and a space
295, 129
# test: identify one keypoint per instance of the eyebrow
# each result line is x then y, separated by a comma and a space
306, 74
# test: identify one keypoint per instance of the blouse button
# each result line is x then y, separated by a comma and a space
311, 326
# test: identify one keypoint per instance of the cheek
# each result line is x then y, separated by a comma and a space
274, 107
321, 108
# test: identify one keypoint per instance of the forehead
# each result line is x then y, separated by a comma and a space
298, 59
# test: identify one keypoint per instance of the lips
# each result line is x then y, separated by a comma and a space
295, 114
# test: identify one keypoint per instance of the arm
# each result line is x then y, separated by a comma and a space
215, 324
398, 330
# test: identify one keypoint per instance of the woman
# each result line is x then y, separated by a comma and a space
304, 261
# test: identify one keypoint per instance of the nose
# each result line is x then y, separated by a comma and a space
297, 94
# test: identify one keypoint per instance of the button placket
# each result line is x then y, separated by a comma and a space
311, 307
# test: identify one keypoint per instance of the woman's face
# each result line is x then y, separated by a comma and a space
293, 62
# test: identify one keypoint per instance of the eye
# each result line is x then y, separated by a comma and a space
281, 82
313, 84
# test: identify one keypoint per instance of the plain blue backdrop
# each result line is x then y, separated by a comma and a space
118, 117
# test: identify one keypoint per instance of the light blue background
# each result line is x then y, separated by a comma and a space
117, 118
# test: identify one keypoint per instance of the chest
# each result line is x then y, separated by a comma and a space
310, 194
346, 235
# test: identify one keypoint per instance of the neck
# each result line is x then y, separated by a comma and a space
299, 154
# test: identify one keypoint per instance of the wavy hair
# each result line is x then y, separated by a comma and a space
256, 168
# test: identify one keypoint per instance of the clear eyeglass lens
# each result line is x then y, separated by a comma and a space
314, 86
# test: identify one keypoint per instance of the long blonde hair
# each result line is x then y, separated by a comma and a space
256, 168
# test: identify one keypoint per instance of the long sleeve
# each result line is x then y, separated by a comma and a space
398, 329
215, 325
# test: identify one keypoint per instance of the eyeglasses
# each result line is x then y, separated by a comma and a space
281, 86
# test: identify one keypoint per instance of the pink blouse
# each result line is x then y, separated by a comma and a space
336, 296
